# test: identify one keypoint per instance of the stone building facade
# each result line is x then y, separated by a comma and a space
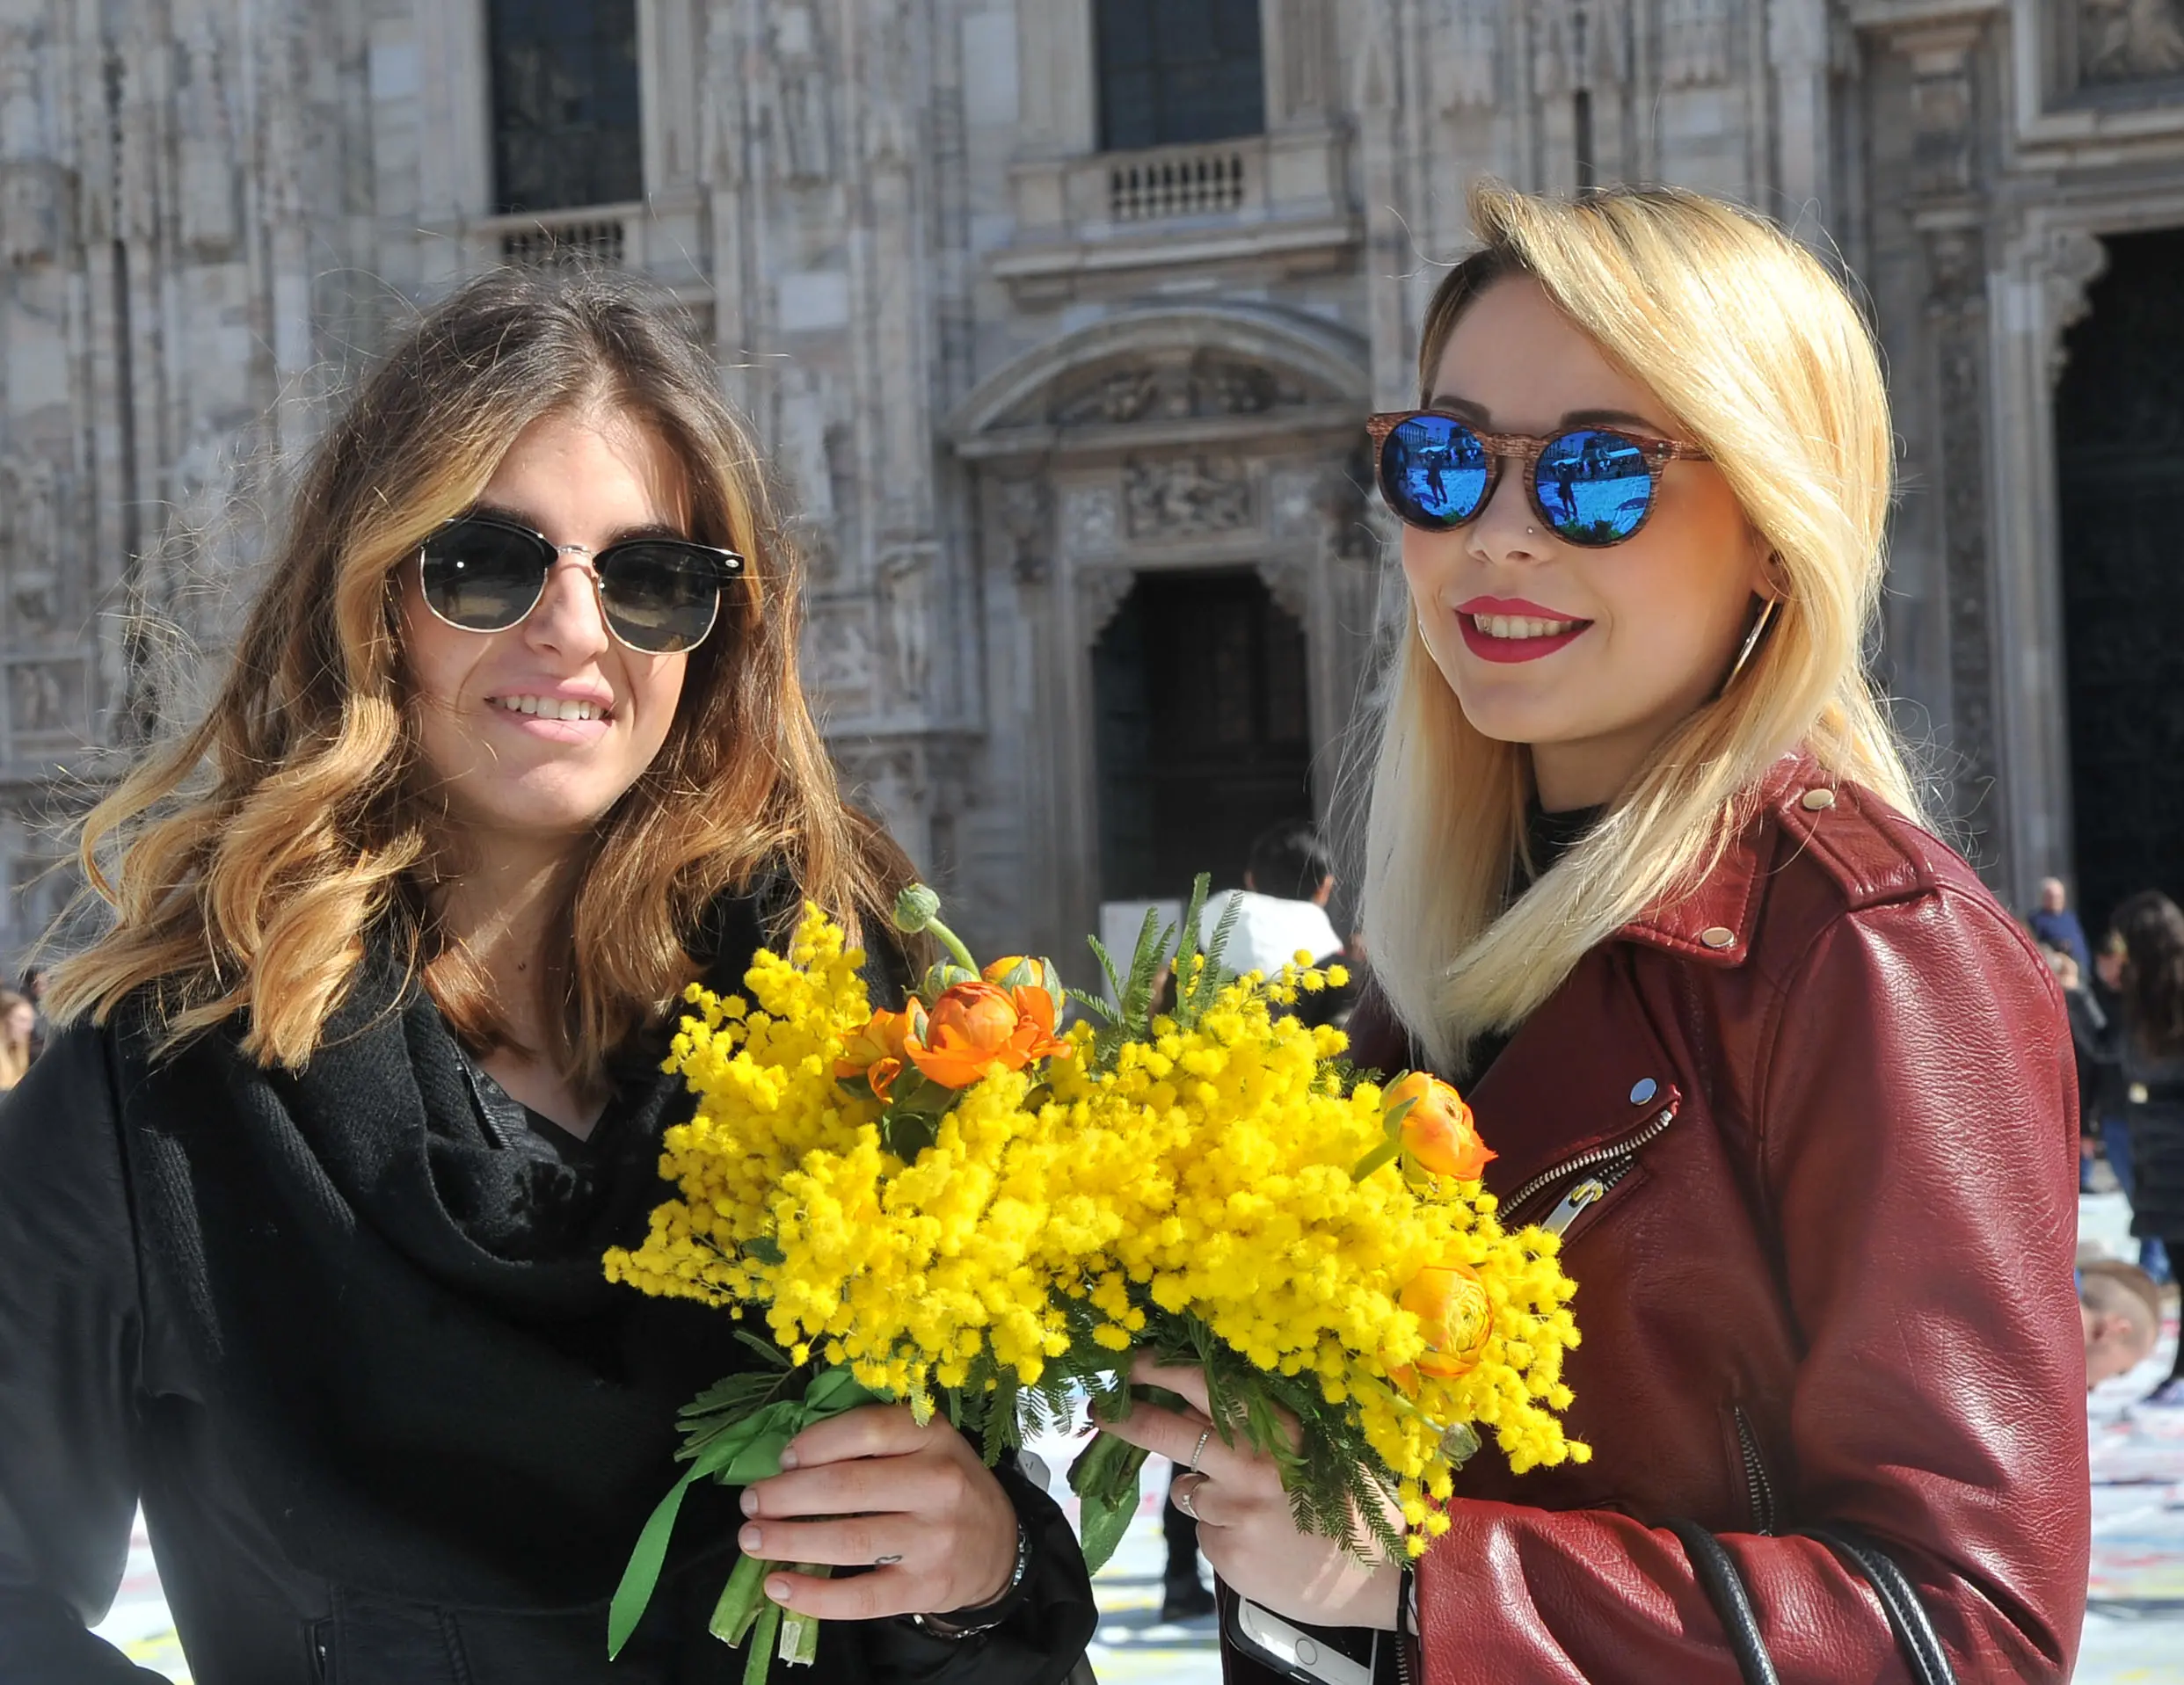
1043, 312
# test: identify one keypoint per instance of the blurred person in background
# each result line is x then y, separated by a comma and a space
34, 989
18, 1019
2121, 1308
2152, 1056
1281, 910
2055, 926
2108, 1104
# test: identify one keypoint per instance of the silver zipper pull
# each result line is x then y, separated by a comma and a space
1586, 1193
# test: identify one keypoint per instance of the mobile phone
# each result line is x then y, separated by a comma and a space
1316, 1655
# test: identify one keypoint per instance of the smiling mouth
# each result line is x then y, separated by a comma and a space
551, 708
1522, 626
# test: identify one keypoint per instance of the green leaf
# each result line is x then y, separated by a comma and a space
766, 1348
832, 1391
1114, 980
642, 1573
759, 1458
1104, 1520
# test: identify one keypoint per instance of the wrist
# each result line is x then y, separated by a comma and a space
984, 1617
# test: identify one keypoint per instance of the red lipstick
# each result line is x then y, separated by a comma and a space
1509, 649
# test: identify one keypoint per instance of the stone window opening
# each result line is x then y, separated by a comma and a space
1178, 72
566, 119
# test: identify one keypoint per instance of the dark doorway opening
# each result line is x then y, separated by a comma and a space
1203, 730
2119, 413
566, 122
1173, 72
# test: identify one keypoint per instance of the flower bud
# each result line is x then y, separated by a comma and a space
1438, 1133
915, 908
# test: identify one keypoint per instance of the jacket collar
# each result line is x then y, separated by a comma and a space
1712, 921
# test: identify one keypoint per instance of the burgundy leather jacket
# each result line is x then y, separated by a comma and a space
1811, 1129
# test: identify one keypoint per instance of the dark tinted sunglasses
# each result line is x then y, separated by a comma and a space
1593, 486
485, 573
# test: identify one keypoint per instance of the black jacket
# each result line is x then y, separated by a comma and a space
387, 1422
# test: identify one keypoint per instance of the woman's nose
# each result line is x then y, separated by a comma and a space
568, 618
1508, 527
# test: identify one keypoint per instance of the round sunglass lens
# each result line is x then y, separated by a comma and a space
1434, 471
481, 577
1594, 487
660, 598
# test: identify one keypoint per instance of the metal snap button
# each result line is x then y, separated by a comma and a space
1643, 1089
1718, 936
1817, 801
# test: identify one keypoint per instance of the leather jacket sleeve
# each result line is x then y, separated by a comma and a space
1912, 1100
68, 1325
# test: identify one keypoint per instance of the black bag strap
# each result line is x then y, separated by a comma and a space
1907, 1615
1725, 1589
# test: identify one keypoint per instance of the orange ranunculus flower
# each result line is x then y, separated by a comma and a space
977, 1029
877, 1052
1438, 1133
1024, 971
1450, 1300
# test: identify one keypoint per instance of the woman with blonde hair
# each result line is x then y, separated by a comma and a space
1646, 873
304, 1207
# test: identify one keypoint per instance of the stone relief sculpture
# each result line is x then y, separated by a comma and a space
1027, 513
1172, 389
30, 546
2121, 39
207, 148
1186, 497
1088, 521
804, 143
1468, 60
1694, 42
33, 206
905, 594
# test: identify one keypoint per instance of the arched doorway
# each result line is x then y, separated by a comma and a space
1202, 710
2120, 459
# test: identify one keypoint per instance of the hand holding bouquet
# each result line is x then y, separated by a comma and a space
960, 1207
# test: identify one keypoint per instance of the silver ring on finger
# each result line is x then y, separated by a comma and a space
1192, 1468
1184, 1500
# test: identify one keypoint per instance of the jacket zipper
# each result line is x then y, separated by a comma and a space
1623, 1149
1591, 1191
1760, 1489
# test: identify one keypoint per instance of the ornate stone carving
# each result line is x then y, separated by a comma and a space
1957, 320
31, 501
45, 703
1694, 42
804, 130
1186, 497
2071, 260
206, 187
2121, 40
1469, 60
1293, 503
1209, 384
1100, 594
1089, 520
906, 598
838, 651
34, 197
1577, 44
1027, 518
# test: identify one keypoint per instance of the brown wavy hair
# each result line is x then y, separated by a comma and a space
254, 858
2152, 928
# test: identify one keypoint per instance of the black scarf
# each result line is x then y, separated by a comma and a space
399, 1331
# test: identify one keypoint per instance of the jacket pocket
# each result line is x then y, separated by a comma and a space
373, 1641
1588, 1194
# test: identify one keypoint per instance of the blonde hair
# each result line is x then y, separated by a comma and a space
259, 853
1762, 359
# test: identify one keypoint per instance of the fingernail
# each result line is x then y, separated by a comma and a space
750, 1540
749, 1501
777, 1589
788, 1457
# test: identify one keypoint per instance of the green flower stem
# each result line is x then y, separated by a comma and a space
1383, 1154
763, 1640
953, 943
741, 1601
800, 1633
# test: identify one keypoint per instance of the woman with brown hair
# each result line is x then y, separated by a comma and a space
2150, 928
306, 1204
